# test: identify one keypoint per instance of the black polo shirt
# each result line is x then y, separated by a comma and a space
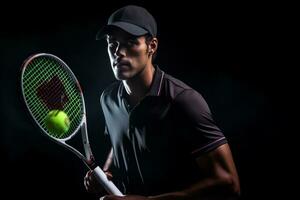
156, 142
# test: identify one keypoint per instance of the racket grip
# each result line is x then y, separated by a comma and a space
108, 185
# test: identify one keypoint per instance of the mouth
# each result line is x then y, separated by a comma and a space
122, 64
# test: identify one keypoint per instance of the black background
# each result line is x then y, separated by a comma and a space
233, 54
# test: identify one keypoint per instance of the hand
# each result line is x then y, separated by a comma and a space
127, 197
92, 185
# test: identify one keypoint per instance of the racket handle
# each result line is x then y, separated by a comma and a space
108, 185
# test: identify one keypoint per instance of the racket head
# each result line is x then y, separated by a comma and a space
49, 84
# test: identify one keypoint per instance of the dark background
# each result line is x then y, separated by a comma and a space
234, 55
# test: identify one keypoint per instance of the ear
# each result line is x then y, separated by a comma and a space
152, 46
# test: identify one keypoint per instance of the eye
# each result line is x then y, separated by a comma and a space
132, 42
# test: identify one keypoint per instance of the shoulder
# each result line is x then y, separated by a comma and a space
174, 86
175, 83
177, 88
183, 95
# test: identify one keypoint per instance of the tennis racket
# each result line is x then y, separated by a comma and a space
48, 84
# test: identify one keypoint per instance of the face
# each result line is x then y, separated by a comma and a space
128, 54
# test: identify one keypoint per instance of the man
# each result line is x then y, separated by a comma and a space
165, 144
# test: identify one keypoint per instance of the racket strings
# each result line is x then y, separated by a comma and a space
53, 93
48, 85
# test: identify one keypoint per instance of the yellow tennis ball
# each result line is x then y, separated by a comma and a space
57, 122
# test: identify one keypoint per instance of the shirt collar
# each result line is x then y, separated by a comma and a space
156, 85
157, 81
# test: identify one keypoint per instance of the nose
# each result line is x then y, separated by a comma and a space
120, 50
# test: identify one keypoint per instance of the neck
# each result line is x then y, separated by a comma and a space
138, 87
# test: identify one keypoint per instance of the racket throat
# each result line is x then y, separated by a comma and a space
90, 160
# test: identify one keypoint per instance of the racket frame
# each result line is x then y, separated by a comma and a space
88, 159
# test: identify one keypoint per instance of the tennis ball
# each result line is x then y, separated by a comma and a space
57, 122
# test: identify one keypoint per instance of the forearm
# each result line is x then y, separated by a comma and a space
108, 161
205, 190
169, 196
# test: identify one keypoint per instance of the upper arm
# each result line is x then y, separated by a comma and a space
206, 142
201, 131
219, 164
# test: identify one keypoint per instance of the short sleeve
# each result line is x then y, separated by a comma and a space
202, 134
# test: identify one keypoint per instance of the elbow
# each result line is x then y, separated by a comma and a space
235, 190
232, 186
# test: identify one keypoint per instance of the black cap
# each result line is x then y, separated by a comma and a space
135, 20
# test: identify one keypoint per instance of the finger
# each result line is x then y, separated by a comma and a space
102, 198
109, 175
87, 175
89, 187
85, 182
114, 197
90, 172
92, 177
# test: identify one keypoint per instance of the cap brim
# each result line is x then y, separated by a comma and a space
127, 27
